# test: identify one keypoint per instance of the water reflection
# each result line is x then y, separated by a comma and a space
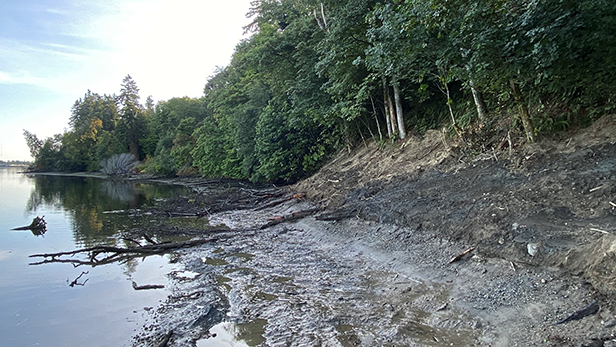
84, 200
119, 191
57, 304
236, 334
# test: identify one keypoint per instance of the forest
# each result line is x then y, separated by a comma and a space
317, 77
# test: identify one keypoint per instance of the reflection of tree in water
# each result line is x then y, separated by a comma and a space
130, 266
85, 200
251, 332
120, 191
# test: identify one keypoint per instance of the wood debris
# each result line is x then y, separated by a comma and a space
147, 286
38, 225
592, 308
461, 255
113, 254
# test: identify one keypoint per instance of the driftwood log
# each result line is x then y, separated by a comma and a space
112, 254
591, 309
290, 217
147, 286
38, 226
461, 255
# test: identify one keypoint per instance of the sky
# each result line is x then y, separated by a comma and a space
53, 51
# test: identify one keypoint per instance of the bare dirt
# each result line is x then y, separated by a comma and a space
372, 266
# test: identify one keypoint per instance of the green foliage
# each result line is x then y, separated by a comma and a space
162, 164
214, 154
33, 142
48, 154
132, 124
315, 77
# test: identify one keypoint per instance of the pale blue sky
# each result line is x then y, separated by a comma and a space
53, 51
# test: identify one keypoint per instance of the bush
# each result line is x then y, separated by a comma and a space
119, 164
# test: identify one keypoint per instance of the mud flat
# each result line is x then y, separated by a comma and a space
373, 266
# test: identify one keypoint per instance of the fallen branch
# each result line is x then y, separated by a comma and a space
599, 230
132, 240
594, 189
115, 253
442, 307
291, 217
335, 215
280, 201
592, 308
461, 255
147, 286
149, 239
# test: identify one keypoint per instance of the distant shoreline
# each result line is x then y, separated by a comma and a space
68, 174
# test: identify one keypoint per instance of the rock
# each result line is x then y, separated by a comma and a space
533, 249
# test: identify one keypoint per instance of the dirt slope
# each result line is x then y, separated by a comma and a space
372, 267
554, 199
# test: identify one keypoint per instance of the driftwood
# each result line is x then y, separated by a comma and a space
461, 255
290, 217
277, 202
592, 308
113, 254
147, 286
38, 226
337, 215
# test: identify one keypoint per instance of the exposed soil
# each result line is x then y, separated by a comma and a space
371, 268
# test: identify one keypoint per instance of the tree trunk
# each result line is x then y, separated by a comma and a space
399, 113
323, 15
482, 109
392, 114
449, 102
526, 122
133, 148
376, 119
388, 115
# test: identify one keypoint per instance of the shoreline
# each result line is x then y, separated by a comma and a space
68, 174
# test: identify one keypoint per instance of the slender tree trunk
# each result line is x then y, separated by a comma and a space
526, 122
376, 119
323, 15
449, 102
482, 109
399, 113
316, 17
322, 24
392, 115
387, 103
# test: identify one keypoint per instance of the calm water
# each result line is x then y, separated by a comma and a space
37, 306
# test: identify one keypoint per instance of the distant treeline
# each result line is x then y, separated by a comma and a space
316, 77
14, 163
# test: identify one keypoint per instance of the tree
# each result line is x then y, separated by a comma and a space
34, 143
132, 122
47, 154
